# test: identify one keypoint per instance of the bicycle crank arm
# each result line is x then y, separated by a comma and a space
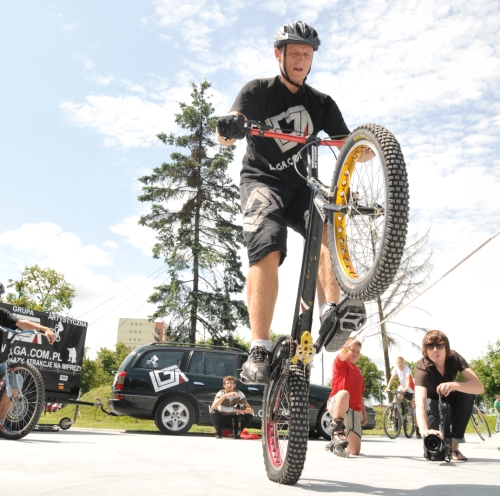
346, 209
305, 351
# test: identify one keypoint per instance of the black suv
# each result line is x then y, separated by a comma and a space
175, 384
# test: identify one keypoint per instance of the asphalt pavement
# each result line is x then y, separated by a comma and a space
104, 462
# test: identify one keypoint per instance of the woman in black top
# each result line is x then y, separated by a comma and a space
435, 374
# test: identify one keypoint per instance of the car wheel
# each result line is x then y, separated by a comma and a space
174, 416
324, 424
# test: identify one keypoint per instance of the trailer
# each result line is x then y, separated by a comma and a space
60, 364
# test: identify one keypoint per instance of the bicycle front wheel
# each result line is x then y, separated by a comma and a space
409, 422
391, 422
368, 238
28, 401
480, 424
285, 424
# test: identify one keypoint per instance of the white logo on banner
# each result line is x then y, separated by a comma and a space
72, 355
167, 378
57, 330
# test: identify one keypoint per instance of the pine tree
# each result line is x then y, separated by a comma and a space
194, 205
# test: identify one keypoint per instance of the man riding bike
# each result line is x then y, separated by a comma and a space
273, 195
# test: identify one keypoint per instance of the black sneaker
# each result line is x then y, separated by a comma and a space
256, 368
339, 321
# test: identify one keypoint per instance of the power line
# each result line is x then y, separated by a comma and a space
397, 310
124, 291
125, 320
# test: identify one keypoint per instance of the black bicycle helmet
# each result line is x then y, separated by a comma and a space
298, 33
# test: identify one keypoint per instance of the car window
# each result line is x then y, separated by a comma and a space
160, 359
220, 365
196, 365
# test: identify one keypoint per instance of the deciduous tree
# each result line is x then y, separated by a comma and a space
41, 289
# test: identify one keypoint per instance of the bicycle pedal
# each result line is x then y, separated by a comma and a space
352, 321
305, 350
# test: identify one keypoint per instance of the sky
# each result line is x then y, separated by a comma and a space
86, 86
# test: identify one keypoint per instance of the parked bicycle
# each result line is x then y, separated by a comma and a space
366, 208
399, 414
21, 386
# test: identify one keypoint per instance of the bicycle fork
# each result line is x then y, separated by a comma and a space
13, 382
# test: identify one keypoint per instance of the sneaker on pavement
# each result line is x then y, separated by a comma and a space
5, 429
256, 368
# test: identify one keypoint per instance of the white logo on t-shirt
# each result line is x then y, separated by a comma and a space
301, 124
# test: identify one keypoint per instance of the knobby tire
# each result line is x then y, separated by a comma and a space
367, 242
389, 422
409, 422
285, 423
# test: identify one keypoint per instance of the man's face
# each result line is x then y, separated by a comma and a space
298, 60
229, 385
354, 352
400, 363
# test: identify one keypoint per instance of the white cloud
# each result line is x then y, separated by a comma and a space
55, 247
101, 80
111, 244
136, 235
127, 121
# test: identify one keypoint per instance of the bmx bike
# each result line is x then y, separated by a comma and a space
366, 209
22, 386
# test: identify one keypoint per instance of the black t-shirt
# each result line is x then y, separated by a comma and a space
271, 161
428, 376
7, 319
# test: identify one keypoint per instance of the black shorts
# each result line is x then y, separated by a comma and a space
268, 211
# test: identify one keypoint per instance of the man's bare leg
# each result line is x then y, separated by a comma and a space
327, 286
5, 405
262, 292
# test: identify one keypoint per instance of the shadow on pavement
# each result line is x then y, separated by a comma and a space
325, 486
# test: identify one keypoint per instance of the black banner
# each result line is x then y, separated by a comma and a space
60, 363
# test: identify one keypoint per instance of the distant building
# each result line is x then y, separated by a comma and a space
137, 332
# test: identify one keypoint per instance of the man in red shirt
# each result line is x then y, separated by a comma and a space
346, 404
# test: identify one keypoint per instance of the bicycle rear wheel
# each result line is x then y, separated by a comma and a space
480, 424
368, 239
408, 422
391, 422
27, 404
285, 423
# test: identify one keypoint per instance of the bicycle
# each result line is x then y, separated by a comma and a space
396, 416
479, 422
23, 385
366, 209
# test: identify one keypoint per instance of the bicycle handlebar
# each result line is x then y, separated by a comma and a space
256, 128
